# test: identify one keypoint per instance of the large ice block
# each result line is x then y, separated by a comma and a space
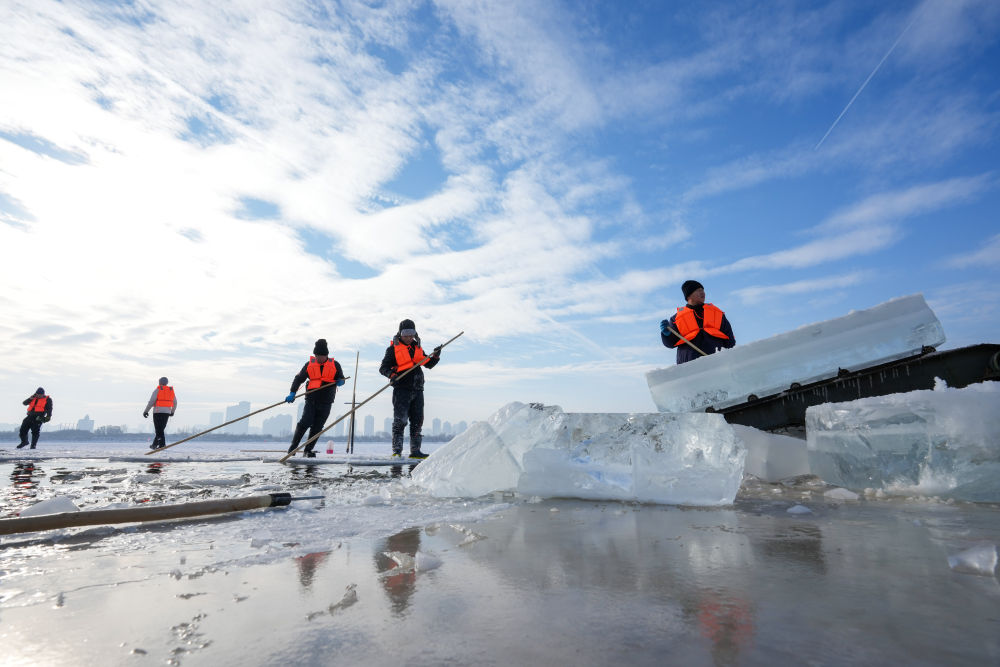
539, 450
942, 442
893, 330
773, 457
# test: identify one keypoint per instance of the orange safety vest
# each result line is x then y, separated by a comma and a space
37, 404
404, 361
319, 377
688, 327
164, 396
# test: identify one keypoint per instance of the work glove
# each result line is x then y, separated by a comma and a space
46, 418
171, 413
436, 352
290, 398
145, 415
340, 383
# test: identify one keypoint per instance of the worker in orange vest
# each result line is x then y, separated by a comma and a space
404, 352
323, 374
163, 403
703, 324
39, 412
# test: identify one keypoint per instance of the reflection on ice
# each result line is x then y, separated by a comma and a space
538, 450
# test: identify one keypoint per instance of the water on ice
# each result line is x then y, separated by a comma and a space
538, 450
893, 330
932, 442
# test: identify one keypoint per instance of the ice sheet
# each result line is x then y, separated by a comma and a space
773, 457
893, 330
538, 450
942, 442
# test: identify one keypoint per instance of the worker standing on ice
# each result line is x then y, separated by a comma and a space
324, 371
163, 403
702, 325
404, 352
39, 412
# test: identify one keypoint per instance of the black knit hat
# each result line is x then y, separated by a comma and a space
40, 391
407, 325
320, 349
689, 287
164, 381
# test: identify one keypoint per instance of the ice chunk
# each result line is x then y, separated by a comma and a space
840, 494
538, 450
932, 442
773, 457
799, 509
981, 559
51, 506
893, 330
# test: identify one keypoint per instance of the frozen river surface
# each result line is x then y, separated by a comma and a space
380, 573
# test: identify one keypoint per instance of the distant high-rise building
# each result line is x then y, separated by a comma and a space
279, 425
369, 425
235, 412
460, 428
436, 426
85, 424
446, 428
215, 418
387, 425
338, 430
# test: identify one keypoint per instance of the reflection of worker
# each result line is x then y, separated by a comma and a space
308, 565
39, 412
163, 403
399, 578
703, 324
324, 371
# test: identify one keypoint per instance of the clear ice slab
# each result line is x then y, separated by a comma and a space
539, 450
893, 330
941, 442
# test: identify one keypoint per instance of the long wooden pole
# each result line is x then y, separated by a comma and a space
231, 421
30, 524
686, 340
354, 400
355, 409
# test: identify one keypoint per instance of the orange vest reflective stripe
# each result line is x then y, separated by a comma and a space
319, 377
403, 360
164, 396
688, 327
37, 404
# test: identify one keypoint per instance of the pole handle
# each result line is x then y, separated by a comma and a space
686, 340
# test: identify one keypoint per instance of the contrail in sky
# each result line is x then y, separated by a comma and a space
887, 53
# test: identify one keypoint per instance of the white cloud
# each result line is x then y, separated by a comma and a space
758, 293
987, 256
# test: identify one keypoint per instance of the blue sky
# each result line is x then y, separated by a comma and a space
201, 192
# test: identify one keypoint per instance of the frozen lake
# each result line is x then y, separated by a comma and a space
380, 573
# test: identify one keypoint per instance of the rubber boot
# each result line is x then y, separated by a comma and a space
415, 440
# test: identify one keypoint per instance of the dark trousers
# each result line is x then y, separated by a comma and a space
313, 418
160, 426
31, 423
407, 405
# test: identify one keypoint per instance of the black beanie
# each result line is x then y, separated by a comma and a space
689, 287
407, 324
320, 349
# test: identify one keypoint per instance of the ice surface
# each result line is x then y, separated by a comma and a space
893, 330
940, 442
840, 494
981, 559
773, 457
538, 450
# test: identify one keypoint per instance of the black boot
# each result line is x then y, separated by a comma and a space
415, 440
417, 454
22, 445
397, 438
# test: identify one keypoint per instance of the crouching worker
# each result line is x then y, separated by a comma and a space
323, 371
39, 412
404, 352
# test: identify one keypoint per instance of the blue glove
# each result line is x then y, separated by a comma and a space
290, 398
340, 383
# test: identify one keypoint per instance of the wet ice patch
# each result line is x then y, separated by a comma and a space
980, 559
840, 494
424, 561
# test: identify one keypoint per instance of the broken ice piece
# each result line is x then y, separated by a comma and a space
980, 559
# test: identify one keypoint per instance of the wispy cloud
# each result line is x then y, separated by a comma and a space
987, 256
758, 293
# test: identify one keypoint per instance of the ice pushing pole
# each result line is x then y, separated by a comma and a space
231, 421
30, 524
358, 406
686, 341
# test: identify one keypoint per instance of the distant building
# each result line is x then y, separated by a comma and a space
369, 425
387, 425
436, 427
235, 412
446, 429
85, 424
215, 418
279, 425
338, 429
461, 427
